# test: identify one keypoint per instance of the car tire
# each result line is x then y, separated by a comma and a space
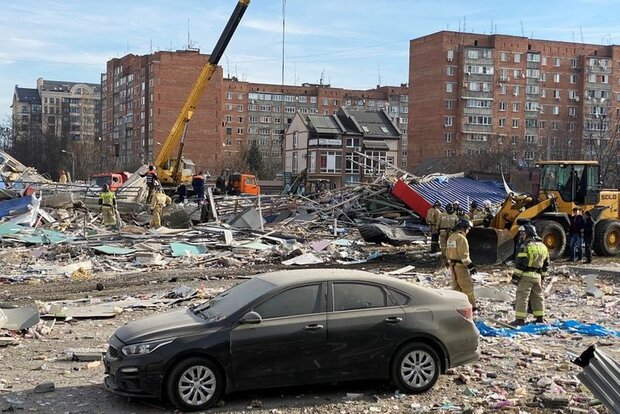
416, 368
195, 384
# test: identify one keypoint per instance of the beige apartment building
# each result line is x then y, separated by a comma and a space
65, 109
473, 93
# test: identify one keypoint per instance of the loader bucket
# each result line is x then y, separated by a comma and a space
489, 245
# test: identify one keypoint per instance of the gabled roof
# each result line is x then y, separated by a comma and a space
27, 95
371, 124
324, 124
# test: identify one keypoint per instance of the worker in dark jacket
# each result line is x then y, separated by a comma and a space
198, 184
151, 179
182, 193
575, 233
588, 235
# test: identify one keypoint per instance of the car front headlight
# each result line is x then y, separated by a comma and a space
145, 347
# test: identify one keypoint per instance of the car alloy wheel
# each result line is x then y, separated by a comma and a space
416, 368
195, 384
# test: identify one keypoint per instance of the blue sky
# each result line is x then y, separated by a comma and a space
351, 44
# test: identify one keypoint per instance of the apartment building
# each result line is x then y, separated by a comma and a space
352, 145
143, 95
260, 113
62, 108
475, 93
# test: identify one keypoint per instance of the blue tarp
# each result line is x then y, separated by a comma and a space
15, 206
461, 189
535, 329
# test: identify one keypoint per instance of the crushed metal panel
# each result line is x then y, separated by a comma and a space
256, 245
304, 259
185, 249
16, 206
109, 249
250, 218
601, 375
20, 318
10, 228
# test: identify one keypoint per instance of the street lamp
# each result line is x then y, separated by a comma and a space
72, 163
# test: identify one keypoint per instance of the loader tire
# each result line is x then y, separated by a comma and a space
607, 238
553, 236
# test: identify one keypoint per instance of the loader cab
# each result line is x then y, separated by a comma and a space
573, 181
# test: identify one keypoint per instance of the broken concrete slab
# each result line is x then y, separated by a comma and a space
19, 318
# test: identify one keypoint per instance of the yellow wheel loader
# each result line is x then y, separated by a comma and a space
563, 185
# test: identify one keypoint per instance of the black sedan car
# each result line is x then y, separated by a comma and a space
293, 328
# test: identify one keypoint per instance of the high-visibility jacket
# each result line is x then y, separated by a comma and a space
532, 260
107, 199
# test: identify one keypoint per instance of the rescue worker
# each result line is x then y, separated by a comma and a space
159, 201
107, 201
461, 266
432, 218
475, 214
446, 222
489, 214
198, 184
531, 266
151, 180
63, 177
456, 206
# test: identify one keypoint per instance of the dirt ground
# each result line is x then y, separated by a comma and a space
507, 371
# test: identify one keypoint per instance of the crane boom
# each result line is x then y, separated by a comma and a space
180, 124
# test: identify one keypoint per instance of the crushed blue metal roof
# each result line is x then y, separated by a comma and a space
462, 189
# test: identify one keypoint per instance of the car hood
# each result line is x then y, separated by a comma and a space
160, 326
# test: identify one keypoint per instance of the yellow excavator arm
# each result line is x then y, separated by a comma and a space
179, 128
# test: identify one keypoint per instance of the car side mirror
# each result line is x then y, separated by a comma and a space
251, 318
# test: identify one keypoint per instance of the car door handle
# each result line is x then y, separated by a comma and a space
313, 327
393, 319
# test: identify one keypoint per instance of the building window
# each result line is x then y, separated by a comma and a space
449, 87
472, 54
556, 62
450, 55
449, 104
573, 63
515, 107
556, 110
515, 123
376, 164
571, 126
450, 70
239, 131
502, 122
447, 121
330, 162
514, 139
530, 139
502, 89
556, 93
556, 77
572, 78
239, 108
503, 56
229, 95
502, 106
517, 57
555, 125
447, 137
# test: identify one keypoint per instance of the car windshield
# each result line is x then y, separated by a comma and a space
231, 300
99, 181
